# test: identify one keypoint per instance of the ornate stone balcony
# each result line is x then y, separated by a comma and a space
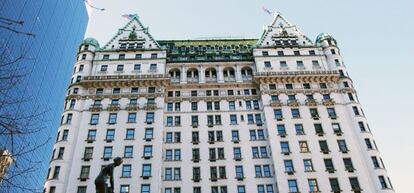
150, 106
230, 79
311, 102
132, 107
276, 103
125, 80
211, 79
328, 102
296, 76
113, 107
293, 103
95, 108
175, 79
192, 79
247, 78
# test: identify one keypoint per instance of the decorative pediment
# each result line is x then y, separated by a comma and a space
132, 36
282, 33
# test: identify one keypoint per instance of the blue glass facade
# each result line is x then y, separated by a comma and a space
58, 27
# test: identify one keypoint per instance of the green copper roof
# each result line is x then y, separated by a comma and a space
208, 49
91, 41
324, 36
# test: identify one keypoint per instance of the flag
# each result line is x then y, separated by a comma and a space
128, 16
266, 10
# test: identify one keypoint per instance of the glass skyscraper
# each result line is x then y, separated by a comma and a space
48, 39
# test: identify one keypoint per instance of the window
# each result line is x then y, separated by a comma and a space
296, 53
283, 64
232, 105
194, 106
126, 171
383, 182
106, 57
107, 153
235, 135
258, 171
295, 113
91, 135
194, 120
331, 113
361, 126
84, 174
132, 117
281, 130
56, 172
312, 52
278, 114
348, 164
149, 117
300, 64
285, 147
336, 128
265, 53
196, 154
289, 86
87, 155
318, 129
237, 153
147, 151
342, 146
323, 85
148, 133
146, 170
333, 51
110, 135
60, 153
299, 129
304, 148
130, 134
368, 143
334, 185
267, 64
128, 151
356, 111
313, 185
83, 56
153, 56
69, 118
241, 189
266, 171
307, 163
233, 119
280, 53
81, 189
121, 56
145, 188
329, 165
293, 186
112, 118
153, 67
120, 68
375, 162
138, 56
324, 146
124, 189
137, 67
354, 184
72, 104
239, 172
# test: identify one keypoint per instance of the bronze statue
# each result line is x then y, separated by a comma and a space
107, 171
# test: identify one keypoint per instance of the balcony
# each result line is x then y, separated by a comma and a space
132, 107
229, 79
113, 107
150, 106
328, 102
192, 79
95, 108
211, 79
175, 79
247, 78
311, 102
293, 103
276, 103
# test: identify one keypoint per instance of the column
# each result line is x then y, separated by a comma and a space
238, 73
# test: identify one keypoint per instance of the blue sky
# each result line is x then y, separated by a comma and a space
375, 38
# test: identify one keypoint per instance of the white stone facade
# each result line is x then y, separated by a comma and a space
277, 114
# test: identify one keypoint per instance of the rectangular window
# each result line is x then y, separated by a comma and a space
295, 113
313, 185
148, 133
110, 135
334, 185
149, 117
84, 174
130, 134
112, 118
120, 68
124, 189
281, 130
285, 147
267, 64
132, 117
91, 135
128, 151
278, 114
239, 172
145, 188
293, 186
107, 153
233, 119
146, 170
383, 182
137, 67
147, 151
289, 166
126, 171
299, 129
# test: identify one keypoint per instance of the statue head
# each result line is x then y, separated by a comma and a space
117, 161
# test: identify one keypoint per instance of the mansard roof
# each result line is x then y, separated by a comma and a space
208, 49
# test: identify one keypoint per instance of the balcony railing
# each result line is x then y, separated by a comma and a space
113, 107
150, 106
247, 78
175, 79
230, 79
192, 79
211, 79
95, 107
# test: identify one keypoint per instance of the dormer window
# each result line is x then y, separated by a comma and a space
296, 53
121, 56
138, 56
106, 57
265, 53
293, 42
123, 46
153, 56
280, 53
312, 52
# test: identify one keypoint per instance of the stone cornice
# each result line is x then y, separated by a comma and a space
296, 76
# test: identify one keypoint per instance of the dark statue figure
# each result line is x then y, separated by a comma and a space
107, 171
